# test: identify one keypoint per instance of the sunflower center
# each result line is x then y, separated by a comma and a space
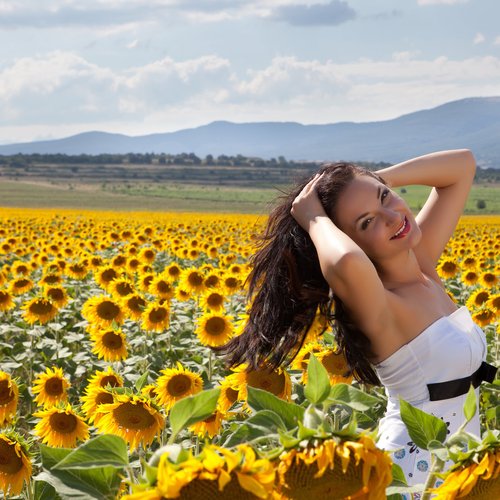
51, 279
103, 398
489, 278
163, 287
107, 310
195, 279
449, 267
112, 341
6, 392
215, 326
231, 282
108, 275
54, 386
124, 289
481, 298
77, 268
21, 283
174, 271
334, 363
158, 314
41, 307
111, 380
231, 395
178, 385
130, 416
215, 300
63, 423
136, 304
55, 294
269, 381
212, 281
10, 461
4, 297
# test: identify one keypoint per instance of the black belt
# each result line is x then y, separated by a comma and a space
454, 388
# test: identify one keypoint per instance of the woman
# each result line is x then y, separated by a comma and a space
345, 237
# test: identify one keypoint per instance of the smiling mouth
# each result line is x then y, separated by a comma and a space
403, 230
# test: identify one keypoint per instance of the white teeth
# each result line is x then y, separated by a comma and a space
401, 229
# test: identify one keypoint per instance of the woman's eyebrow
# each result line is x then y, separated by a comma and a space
379, 192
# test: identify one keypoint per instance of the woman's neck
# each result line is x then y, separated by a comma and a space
401, 270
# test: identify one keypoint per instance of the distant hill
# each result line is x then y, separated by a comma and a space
468, 123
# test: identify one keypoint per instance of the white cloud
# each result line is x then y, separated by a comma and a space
440, 2
62, 92
479, 38
497, 40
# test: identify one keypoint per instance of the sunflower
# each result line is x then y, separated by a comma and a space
175, 384
213, 300
39, 309
51, 387
109, 344
162, 287
276, 382
335, 470
488, 279
231, 283
133, 418
475, 479
92, 399
119, 261
51, 279
478, 298
15, 464
470, 277
20, 268
57, 295
134, 305
147, 255
105, 378
121, 287
494, 303
336, 365
60, 427
9, 397
105, 275
228, 396
215, 474
77, 271
20, 286
484, 316
447, 268
103, 311
214, 329
213, 280
182, 295
156, 317
172, 272
6, 302
192, 281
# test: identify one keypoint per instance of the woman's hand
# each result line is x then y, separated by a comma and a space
307, 207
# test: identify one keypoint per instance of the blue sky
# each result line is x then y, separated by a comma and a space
147, 66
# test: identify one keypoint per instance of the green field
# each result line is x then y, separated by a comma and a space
188, 197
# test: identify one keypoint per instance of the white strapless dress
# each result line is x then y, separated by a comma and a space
451, 348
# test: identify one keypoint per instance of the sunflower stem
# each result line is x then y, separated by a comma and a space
210, 361
436, 467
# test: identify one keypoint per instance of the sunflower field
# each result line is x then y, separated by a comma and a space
109, 387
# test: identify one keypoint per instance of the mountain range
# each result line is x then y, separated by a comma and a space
472, 123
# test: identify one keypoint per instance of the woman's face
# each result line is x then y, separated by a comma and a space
376, 218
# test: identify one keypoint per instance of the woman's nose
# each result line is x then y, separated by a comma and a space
392, 217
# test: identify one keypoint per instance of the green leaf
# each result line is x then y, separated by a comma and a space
192, 409
141, 381
102, 483
470, 405
290, 413
398, 476
351, 397
438, 449
44, 491
318, 383
245, 433
421, 426
97, 452
268, 419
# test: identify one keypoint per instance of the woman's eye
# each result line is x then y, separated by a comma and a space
385, 194
365, 223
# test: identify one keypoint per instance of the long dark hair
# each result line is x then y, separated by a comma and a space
286, 288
